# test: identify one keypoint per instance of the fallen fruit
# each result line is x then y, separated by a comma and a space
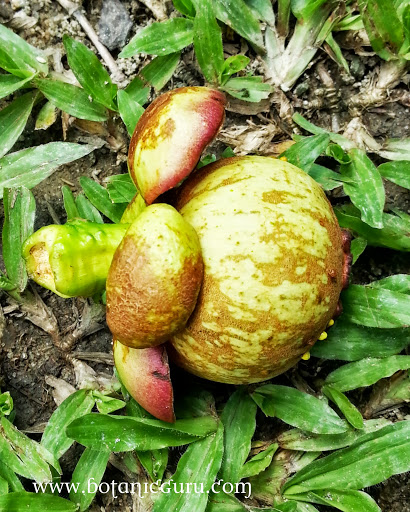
154, 279
145, 374
170, 137
273, 269
274, 259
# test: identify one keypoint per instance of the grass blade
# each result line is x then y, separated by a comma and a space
376, 307
389, 393
19, 57
394, 234
304, 153
54, 437
357, 247
86, 210
71, 99
248, 88
154, 461
185, 7
5, 283
397, 283
396, 149
383, 27
194, 403
373, 458
13, 119
198, 465
366, 188
120, 433
335, 52
19, 214
327, 178
366, 372
99, 197
69, 203
239, 420
263, 10
161, 38
241, 19
398, 172
347, 501
346, 144
11, 83
348, 410
208, 42
137, 90
20, 454
23, 501
11, 478
90, 73
130, 111
232, 65
349, 22
259, 462
298, 409
90, 468
4, 486
296, 439
305, 8
160, 70
106, 404
121, 188
6, 404
350, 342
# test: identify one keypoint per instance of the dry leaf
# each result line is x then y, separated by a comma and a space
247, 108
250, 138
61, 389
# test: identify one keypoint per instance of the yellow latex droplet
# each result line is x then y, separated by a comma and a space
283, 158
306, 356
331, 322
323, 336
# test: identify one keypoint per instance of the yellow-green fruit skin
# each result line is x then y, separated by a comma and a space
273, 259
170, 137
154, 278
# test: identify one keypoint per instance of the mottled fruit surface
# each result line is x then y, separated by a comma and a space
273, 262
170, 137
145, 374
154, 279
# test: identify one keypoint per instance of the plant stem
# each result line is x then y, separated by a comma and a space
90, 321
331, 95
32, 305
390, 74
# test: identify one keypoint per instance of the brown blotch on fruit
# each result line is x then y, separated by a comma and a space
154, 278
273, 255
